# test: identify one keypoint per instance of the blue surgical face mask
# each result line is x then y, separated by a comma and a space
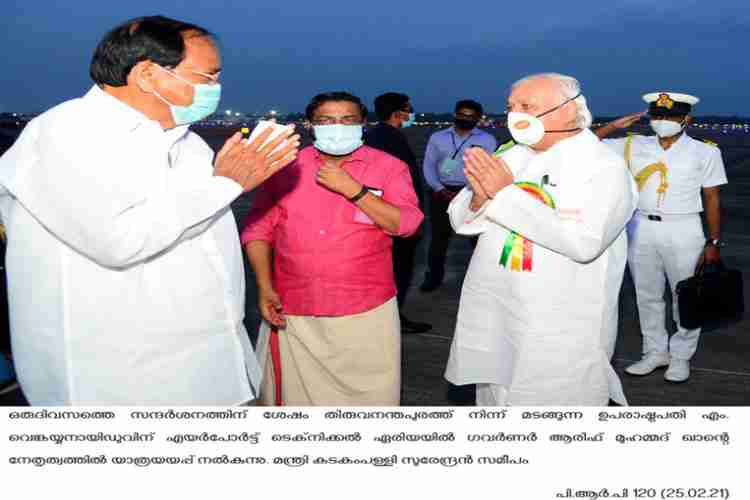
337, 139
410, 121
205, 101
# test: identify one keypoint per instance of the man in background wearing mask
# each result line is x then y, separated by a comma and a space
394, 112
319, 240
124, 265
537, 321
672, 170
443, 172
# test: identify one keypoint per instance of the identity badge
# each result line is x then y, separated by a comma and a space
449, 166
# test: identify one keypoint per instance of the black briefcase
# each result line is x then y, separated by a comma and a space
713, 295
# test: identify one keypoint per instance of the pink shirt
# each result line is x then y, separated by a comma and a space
330, 259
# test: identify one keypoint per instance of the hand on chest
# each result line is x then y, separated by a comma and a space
309, 203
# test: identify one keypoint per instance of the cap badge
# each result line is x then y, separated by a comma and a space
664, 101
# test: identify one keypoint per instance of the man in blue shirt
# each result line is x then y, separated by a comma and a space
444, 174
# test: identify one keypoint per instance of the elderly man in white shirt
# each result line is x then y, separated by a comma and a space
537, 320
124, 264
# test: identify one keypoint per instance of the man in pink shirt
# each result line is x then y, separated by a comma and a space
319, 240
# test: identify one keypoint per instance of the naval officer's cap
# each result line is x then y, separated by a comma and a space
669, 103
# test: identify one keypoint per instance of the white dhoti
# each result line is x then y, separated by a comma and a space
670, 247
338, 361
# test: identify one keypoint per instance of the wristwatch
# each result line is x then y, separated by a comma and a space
358, 196
715, 243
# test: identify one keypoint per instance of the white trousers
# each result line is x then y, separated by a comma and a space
668, 247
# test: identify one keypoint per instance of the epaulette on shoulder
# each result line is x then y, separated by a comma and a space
632, 136
505, 147
710, 143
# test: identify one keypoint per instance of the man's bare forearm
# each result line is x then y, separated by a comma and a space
605, 130
260, 255
712, 207
382, 213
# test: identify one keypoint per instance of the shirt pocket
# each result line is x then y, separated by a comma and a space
692, 175
362, 218
640, 160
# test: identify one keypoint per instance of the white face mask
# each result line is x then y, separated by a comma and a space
666, 128
529, 129
525, 128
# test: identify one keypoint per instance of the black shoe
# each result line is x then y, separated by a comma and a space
431, 282
408, 326
7, 375
462, 395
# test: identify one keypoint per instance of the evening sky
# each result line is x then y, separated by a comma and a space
277, 55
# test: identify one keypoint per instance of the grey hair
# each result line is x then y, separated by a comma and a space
569, 88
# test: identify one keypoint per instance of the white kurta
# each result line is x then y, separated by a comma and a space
125, 275
547, 335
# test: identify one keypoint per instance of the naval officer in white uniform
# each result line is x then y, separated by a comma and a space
672, 171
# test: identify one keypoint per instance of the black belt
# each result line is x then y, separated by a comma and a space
453, 189
664, 217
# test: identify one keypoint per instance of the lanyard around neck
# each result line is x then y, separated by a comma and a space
457, 149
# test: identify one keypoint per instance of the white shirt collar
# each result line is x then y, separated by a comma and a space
128, 117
